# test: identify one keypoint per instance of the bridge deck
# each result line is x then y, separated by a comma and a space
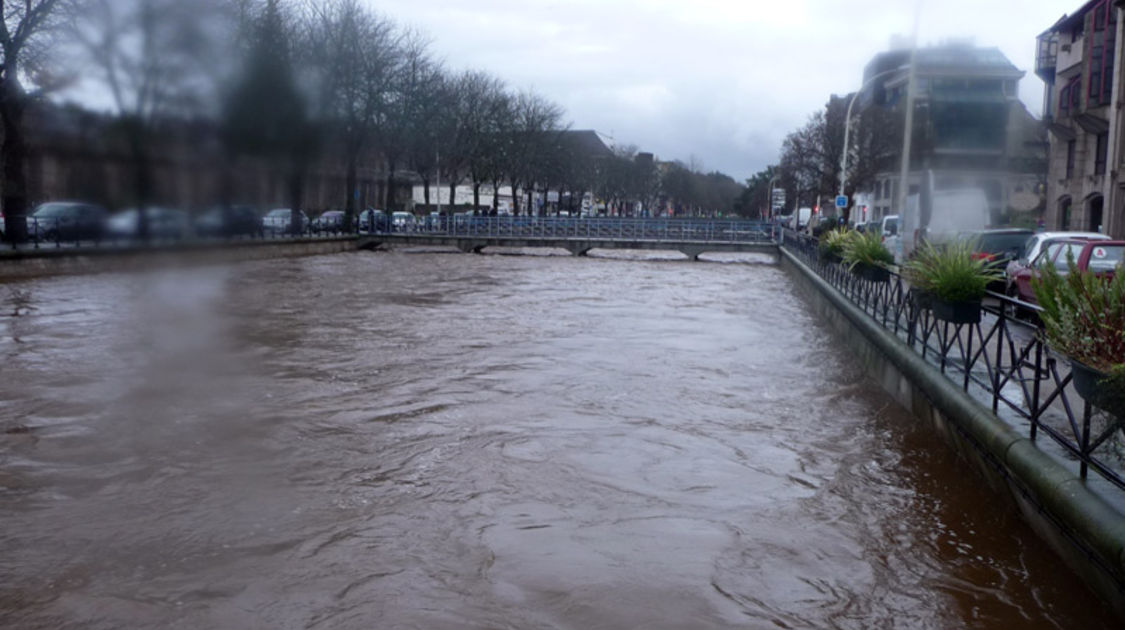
691, 237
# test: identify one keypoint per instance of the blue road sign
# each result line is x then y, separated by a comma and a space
842, 201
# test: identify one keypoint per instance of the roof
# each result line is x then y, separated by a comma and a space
586, 142
952, 59
1067, 22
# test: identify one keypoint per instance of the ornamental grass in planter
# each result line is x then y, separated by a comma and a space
832, 242
866, 256
1084, 318
954, 280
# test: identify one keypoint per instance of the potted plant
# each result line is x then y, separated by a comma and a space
832, 244
952, 278
866, 256
1084, 318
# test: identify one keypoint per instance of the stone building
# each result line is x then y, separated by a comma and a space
1079, 60
970, 129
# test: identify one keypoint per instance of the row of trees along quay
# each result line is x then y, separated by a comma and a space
809, 166
314, 104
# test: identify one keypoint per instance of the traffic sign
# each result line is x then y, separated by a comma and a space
841, 201
777, 198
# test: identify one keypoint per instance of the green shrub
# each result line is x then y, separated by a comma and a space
950, 272
866, 249
1084, 316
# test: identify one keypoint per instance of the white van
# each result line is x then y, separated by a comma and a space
800, 219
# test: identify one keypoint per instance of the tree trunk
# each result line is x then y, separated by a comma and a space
13, 153
389, 189
495, 197
515, 201
426, 191
452, 195
296, 195
476, 197
143, 171
352, 179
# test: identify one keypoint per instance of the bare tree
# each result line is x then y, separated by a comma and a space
473, 109
399, 135
151, 56
355, 52
535, 130
26, 30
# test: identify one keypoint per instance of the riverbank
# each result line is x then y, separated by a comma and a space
47, 261
1080, 526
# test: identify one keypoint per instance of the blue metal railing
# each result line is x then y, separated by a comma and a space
597, 228
1002, 361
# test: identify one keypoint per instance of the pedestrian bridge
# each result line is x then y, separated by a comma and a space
692, 237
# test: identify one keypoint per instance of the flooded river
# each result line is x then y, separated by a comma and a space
449, 441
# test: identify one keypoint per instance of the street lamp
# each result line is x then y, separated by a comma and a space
848, 123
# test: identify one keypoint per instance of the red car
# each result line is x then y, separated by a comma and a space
1104, 258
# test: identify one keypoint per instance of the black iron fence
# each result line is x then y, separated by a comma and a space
1002, 361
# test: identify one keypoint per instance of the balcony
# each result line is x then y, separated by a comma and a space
1047, 57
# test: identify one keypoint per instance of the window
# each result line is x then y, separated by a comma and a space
1070, 159
1064, 99
1100, 154
1102, 44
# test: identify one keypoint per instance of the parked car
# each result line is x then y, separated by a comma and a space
1102, 257
279, 220
330, 221
372, 220
403, 222
163, 223
67, 221
1035, 244
998, 247
232, 221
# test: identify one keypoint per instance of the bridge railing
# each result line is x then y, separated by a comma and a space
1002, 361
594, 228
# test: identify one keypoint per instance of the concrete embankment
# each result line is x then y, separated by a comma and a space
1087, 532
45, 261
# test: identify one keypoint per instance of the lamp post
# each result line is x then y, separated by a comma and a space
848, 124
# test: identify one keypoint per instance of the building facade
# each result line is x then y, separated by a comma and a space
1080, 61
970, 130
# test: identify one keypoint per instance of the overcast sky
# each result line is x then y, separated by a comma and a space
721, 80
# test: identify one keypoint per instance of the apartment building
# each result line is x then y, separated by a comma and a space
1079, 60
970, 129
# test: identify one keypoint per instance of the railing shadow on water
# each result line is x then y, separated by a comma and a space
1002, 361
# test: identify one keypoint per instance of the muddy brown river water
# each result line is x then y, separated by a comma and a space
400, 440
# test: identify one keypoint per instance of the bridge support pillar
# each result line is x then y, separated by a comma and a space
691, 252
470, 247
578, 249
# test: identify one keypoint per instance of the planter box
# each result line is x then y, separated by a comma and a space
1087, 382
872, 273
922, 300
957, 312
